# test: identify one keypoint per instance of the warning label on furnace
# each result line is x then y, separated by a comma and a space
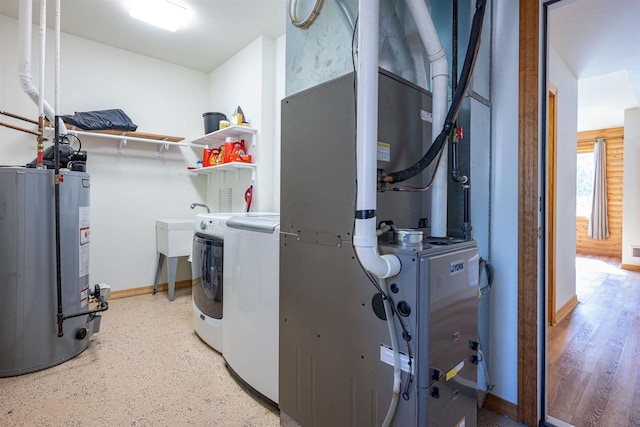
386, 356
384, 152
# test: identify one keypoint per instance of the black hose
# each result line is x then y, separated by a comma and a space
454, 109
56, 181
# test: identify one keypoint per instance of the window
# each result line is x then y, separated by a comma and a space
584, 183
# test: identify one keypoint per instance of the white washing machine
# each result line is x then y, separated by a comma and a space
207, 283
251, 309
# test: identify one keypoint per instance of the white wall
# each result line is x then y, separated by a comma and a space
129, 191
279, 95
504, 201
248, 80
631, 184
566, 149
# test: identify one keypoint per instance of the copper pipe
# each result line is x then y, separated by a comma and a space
32, 132
15, 116
40, 149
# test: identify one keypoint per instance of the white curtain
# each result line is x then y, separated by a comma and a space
598, 221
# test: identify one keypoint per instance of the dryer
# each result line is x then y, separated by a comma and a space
251, 310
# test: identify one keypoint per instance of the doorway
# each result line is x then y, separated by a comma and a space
532, 304
587, 380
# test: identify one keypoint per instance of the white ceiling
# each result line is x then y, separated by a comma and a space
600, 43
598, 40
217, 29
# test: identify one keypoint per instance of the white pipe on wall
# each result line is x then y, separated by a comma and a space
43, 47
440, 78
364, 238
56, 85
24, 60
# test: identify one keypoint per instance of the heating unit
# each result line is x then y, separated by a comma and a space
336, 358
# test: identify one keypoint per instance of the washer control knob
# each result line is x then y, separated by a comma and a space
203, 225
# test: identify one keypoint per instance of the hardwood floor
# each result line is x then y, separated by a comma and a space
594, 353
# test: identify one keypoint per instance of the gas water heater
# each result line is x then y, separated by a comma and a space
29, 335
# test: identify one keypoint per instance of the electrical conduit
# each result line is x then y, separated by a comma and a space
365, 241
440, 81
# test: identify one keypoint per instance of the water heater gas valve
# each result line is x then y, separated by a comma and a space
101, 291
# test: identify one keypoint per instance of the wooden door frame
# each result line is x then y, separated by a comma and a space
552, 133
531, 312
528, 213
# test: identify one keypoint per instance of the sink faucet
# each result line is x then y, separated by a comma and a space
193, 206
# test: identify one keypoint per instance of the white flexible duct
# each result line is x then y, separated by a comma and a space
440, 78
24, 65
364, 238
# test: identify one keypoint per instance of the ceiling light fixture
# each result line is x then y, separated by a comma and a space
167, 14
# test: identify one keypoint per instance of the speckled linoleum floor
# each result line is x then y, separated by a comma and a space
146, 367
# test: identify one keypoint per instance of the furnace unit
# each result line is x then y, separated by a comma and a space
336, 363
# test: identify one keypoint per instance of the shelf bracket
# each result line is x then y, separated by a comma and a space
122, 144
162, 147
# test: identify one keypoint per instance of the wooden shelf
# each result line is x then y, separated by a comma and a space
163, 141
136, 134
220, 135
122, 133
